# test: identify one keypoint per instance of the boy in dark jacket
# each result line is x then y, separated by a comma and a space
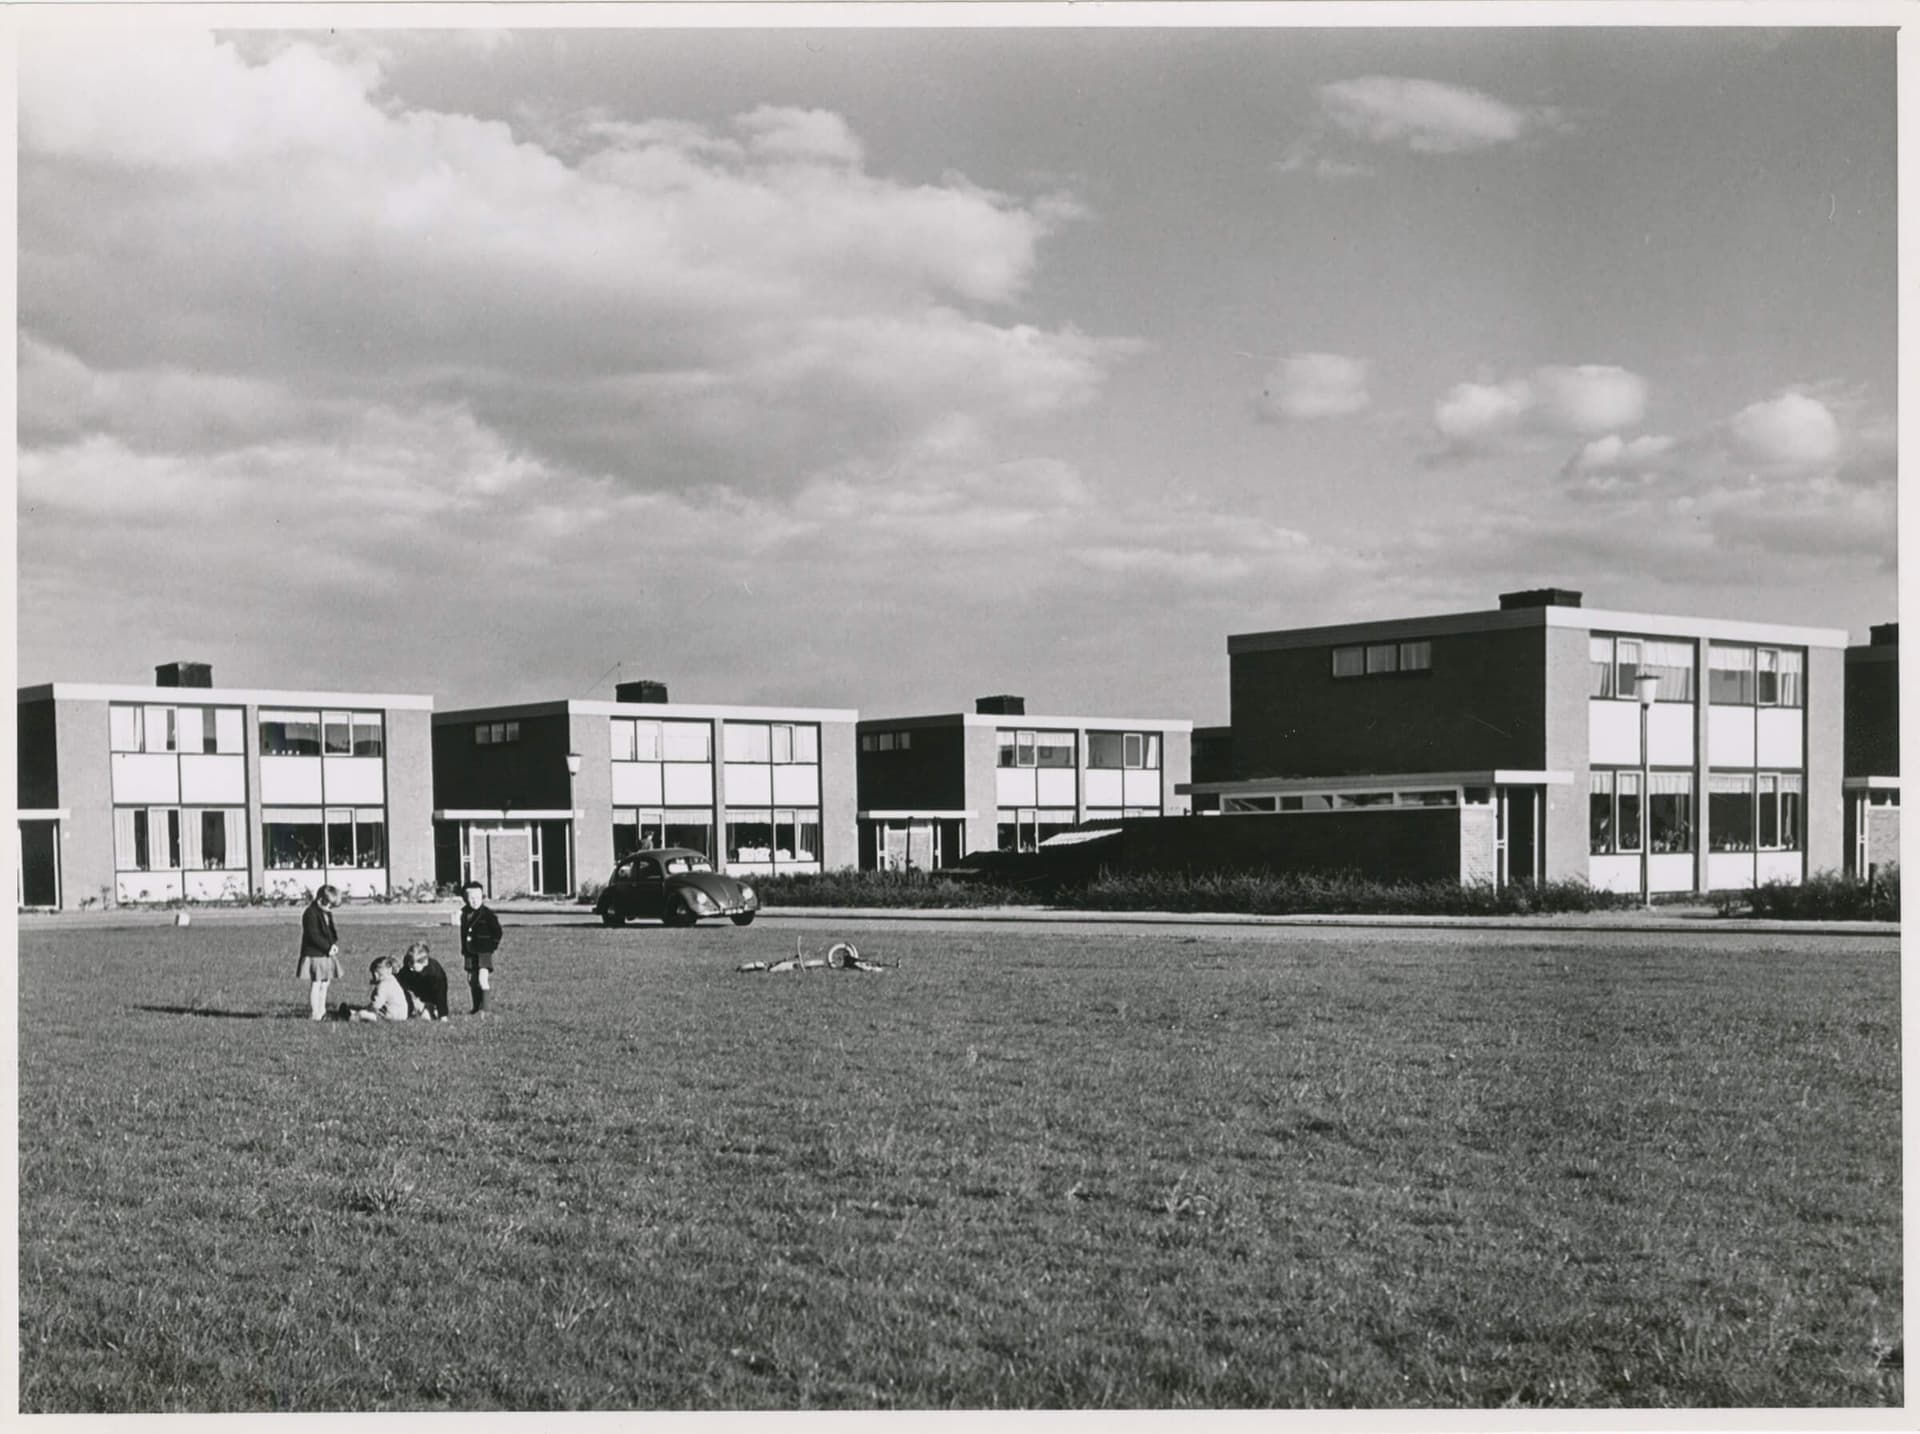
479, 939
425, 982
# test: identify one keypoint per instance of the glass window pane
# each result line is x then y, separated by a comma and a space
1383, 657
782, 743
1766, 685
686, 741
648, 745
806, 745
1005, 754
1348, 661
1670, 812
369, 734
1769, 812
1729, 813
191, 729
1600, 667
1153, 752
1729, 678
1105, 749
1023, 749
1135, 749
1627, 825
229, 727
370, 836
748, 742
1791, 666
620, 734
339, 734
1672, 663
750, 835
339, 837
289, 734
690, 829
1600, 813
1416, 656
1626, 665
123, 729
1053, 749
160, 732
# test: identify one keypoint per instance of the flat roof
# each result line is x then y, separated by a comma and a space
1506, 619
1381, 781
667, 711
201, 696
1024, 720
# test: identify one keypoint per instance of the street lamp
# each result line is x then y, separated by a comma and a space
574, 763
1646, 687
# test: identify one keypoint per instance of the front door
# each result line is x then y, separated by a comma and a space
506, 865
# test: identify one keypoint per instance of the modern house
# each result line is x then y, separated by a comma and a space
934, 788
1872, 781
1636, 751
187, 791
539, 797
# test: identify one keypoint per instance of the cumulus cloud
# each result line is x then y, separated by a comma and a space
1315, 385
1789, 431
1425, 116
1551, 402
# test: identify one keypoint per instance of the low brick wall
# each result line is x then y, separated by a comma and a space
1883, 836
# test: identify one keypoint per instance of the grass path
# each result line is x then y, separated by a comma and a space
1028, 1168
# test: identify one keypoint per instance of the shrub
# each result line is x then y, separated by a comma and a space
885, 889
1267, 893
589, 892
1828, 896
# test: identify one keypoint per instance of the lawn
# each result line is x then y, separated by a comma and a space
1027, 1167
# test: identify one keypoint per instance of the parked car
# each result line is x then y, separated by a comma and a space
675, 885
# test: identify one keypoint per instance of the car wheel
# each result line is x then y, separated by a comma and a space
612, 917
744, 918
679, 914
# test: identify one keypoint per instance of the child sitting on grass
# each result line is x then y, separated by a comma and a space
425, 982
387, 1001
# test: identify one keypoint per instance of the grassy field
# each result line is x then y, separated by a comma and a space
1024, 1168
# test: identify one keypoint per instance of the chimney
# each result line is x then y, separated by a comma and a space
183, 674
643, 689
1004, 705
1885, 634
1539, 597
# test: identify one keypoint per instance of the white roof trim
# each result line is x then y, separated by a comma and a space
221, 696
1870, 784
1450, 624
486, 814
1018, 721
1381, 782
923, 814
43, 814
1727, 629
659, 711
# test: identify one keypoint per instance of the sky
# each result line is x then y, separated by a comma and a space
889, 368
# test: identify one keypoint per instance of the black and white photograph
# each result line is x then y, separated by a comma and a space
1024, 707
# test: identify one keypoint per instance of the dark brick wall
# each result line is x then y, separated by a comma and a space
931, 775
528, 774
1873, 714
39, 770
1404, 844
1482, 705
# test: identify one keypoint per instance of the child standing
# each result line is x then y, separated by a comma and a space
386, 1001
479, 939
425, 982
319, 949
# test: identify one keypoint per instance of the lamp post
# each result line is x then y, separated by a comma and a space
1646, 687
574, 763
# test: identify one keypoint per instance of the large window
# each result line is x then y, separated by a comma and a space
213, 839
495, 734
1025, 748
1024, 828
146, 838
293, 838
1127, 750
1742, 676
1617, 661
152, 728
1376, 659
648, 829
776, 836
886, 741
780, 743
289, 734
643, 740
1614, 808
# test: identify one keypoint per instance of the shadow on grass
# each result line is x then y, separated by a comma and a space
225, 1015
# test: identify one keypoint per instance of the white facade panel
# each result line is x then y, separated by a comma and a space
358, 880
1778, 741
1729, 738
1670, 737
1729, 870
748, 784
1143, 788
1014, 786
289, 781
1671, 871
359, 780
216, 885
1613, 733
146, 886
1779, 866
1055, 787
1104, 788
636, 784
213, 781
796, 786
1613, 873
688, 784
301, 884
146, 777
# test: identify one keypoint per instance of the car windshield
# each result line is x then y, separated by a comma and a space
678, 864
